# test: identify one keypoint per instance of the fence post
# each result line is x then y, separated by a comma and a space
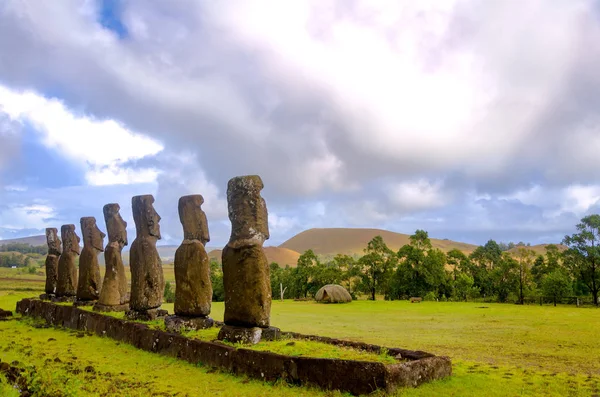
541, 300
577, 301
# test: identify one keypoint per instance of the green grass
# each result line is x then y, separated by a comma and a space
290, 347
499, 350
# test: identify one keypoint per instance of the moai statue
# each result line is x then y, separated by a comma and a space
90, 282
66, 287
54, 251
193, 292
147, 280
246, 276
113, 296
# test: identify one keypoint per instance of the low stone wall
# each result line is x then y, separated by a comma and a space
356, 377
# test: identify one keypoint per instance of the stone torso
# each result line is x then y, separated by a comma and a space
67, 275
114, 287
193, 292
147, 281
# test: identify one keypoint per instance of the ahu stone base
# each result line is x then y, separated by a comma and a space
64, 299
411, 369
181, 324
98, 307
47, 297
248, 336
146, 315
79, 303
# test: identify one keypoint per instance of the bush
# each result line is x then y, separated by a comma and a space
430, 296
169, 293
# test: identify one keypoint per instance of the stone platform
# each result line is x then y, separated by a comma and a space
357, 377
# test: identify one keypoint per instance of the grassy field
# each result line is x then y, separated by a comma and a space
497, 349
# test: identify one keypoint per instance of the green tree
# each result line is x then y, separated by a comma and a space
376, 266
583, 255
349, 271
525, 258
485, 259
463, 286
216, 279
556, 284
169, 293
302, 279
421, 269
505, 277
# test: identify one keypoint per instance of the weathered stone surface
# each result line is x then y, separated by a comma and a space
5, 313
271, 334
180, 324
90, 283
415, 373
114, 287
246, 278
247, 212
54, 251
99, 307
245, 335
146, 315
246, 275
147, 280
47, 297
67, 269
193, 294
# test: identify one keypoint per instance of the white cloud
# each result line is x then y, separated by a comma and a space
25, 216
91, 142
359, 108
417, 195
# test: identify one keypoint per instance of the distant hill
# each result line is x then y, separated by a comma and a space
31, 240
281, 256
333, 241
539, 249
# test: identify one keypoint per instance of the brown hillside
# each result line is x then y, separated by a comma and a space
32, 240
281, 256
348, 241
539, 249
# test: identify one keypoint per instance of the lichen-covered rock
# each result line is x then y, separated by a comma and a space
90, 283
193, 294
246, 278
247, 212
246, 275
51, 264
114, 287
147, 280
66, 285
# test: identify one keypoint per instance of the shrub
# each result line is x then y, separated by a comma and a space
169, 293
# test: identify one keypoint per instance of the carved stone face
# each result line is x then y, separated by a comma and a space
70, 239
92, 236
193, 219
247, 210
54, 243
145, 216
116, 227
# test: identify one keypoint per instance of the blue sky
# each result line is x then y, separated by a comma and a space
472, 120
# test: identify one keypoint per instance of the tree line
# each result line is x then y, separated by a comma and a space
418, 269
24, 248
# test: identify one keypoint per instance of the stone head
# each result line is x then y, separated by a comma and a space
247, 210
54, 243
116, 227
70, 239
92, 236
145, 216
193, 219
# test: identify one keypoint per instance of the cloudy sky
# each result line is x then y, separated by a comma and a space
469, 119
